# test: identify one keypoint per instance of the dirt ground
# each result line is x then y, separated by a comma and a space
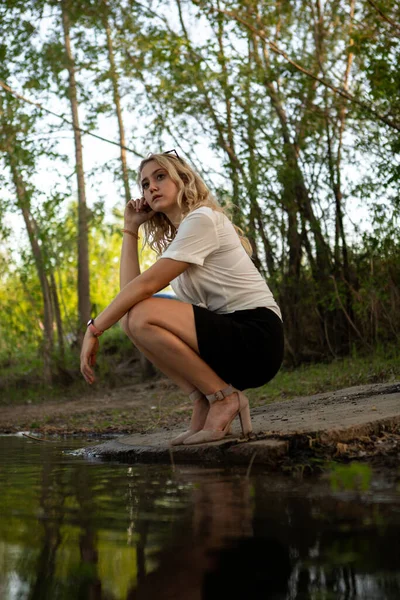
352, 423
158, 404
139, 407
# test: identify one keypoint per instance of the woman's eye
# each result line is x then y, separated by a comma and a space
162, 175
145, 186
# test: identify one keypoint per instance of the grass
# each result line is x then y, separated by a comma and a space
380, 367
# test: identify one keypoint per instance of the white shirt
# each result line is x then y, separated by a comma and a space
221, 275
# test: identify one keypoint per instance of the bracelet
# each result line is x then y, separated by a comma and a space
93, 329
132, 233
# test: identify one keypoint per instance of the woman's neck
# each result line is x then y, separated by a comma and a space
175, 216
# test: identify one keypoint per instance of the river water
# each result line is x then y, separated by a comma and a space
74, 529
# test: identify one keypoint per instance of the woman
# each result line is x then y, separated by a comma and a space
224, 334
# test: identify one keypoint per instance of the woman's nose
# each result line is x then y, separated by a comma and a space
153, 186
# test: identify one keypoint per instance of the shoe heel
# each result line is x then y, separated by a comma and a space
244, 415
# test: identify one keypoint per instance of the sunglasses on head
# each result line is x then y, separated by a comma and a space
174, 152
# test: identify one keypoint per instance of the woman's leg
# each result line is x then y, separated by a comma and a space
200, 405
164, 330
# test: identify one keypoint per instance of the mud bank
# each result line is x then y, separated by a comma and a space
357, 422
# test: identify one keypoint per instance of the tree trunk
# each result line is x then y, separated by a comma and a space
343, 334
268, 251
253, 173
224, 130
31, 227
117, 103
293, 180
59, 324
230, 137
83, 244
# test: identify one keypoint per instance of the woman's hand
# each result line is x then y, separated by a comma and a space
89, 350
137, 212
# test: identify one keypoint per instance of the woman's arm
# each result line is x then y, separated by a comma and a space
129, 266
154, 279
136, 213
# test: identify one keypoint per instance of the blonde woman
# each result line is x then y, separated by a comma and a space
224, 333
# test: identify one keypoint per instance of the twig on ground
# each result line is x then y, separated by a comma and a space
32, 437
172, 459
251, 464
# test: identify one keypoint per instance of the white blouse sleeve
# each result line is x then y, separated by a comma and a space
196, 238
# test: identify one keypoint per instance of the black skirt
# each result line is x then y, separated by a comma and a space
245, 348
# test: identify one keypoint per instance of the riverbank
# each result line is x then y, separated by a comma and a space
360, 422
353, 423
126, 405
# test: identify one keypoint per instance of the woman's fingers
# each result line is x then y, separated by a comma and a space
139, 204
87, 372
88, 357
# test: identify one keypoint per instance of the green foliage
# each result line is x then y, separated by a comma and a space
286, 152
352, 477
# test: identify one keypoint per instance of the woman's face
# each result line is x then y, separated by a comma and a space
159, 191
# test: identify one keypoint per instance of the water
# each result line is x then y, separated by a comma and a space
76, 529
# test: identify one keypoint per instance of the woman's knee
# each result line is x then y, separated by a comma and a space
136, 319
124, 323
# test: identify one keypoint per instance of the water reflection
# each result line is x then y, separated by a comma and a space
71, 529
216, 554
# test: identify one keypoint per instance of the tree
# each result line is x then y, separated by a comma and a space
19, 160
83, 247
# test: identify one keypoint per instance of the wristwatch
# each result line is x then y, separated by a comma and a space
93, 329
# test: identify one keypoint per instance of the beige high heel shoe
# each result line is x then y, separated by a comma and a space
213, 435
195, 395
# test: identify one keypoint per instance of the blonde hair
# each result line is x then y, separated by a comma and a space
192, 193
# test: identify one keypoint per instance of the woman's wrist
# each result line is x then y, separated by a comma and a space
131, 233
93, 329
132, 227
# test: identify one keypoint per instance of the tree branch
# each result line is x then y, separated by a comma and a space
50, 112
383, 16
345, 94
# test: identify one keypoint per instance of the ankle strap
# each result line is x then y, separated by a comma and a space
220, 394
195, 395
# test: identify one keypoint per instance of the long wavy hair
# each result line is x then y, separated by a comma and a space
192, 193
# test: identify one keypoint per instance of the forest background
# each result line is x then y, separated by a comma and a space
289, 109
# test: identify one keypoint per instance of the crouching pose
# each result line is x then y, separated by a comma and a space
225, 333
